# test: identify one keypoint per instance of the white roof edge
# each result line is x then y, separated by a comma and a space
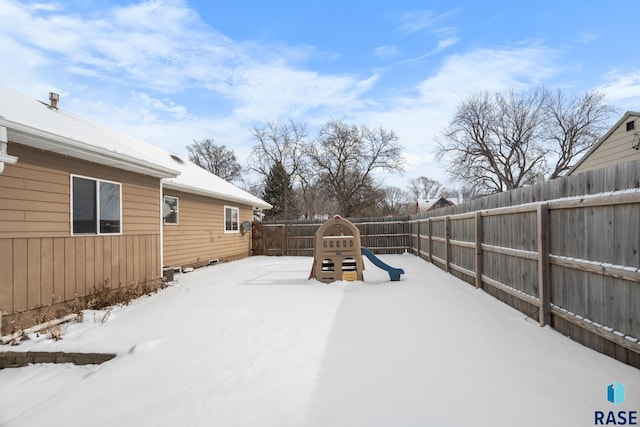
89, 152
256, 203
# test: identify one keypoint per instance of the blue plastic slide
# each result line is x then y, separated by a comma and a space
394, 273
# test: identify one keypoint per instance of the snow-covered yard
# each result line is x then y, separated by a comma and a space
254, 343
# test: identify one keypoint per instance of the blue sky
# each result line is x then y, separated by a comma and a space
173, 71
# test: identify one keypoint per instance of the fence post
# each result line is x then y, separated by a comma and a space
284, 239
544, 287
478, 235
418, 241
447, 257
430, 232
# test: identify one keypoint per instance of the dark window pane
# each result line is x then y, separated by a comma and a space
227, 219
170, 210
109, 207
84, 206
234, 220
231, 219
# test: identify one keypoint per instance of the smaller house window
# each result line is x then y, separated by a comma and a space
96, 206
231, 215
631, 125
170, 210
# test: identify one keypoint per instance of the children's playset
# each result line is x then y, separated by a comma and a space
338, 254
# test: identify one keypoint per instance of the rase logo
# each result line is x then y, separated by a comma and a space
615, 395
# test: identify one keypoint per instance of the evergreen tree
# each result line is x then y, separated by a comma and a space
278, 192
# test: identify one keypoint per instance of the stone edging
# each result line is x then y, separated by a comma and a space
17, 359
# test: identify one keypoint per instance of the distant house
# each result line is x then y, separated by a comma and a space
426, 205
619, 145
82, 205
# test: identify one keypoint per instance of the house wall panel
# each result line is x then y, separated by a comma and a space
136, 258
26, 229
6, 275
46, 265
98, 270
20, 274
200, 234
106, 260
115, 267
122, 261
90, 266
47, 270
59, 269
69, 269
9, 215
34, 252
81, 265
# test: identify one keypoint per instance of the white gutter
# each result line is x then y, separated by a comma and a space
4, 155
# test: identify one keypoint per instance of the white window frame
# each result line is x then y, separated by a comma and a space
177, 211
237, 211
97, 182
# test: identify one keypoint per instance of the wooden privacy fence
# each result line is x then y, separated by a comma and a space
573, 262
296, 238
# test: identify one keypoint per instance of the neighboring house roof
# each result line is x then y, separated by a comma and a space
618, 157
36, 124
425, 205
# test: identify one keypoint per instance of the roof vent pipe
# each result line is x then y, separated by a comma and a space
53, 98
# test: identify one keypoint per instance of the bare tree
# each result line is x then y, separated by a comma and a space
314, 198
279, 144
346, 155
217, 159
425, 188
511, 139
396, 201
574, 125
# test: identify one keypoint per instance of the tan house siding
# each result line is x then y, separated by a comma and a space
199, 235
45, 263
615, 148
35, 195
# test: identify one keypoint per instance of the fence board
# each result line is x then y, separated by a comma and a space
542, 237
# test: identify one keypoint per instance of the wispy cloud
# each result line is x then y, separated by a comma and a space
442, 45
622, 87
386, 52
589, 37
425, 21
